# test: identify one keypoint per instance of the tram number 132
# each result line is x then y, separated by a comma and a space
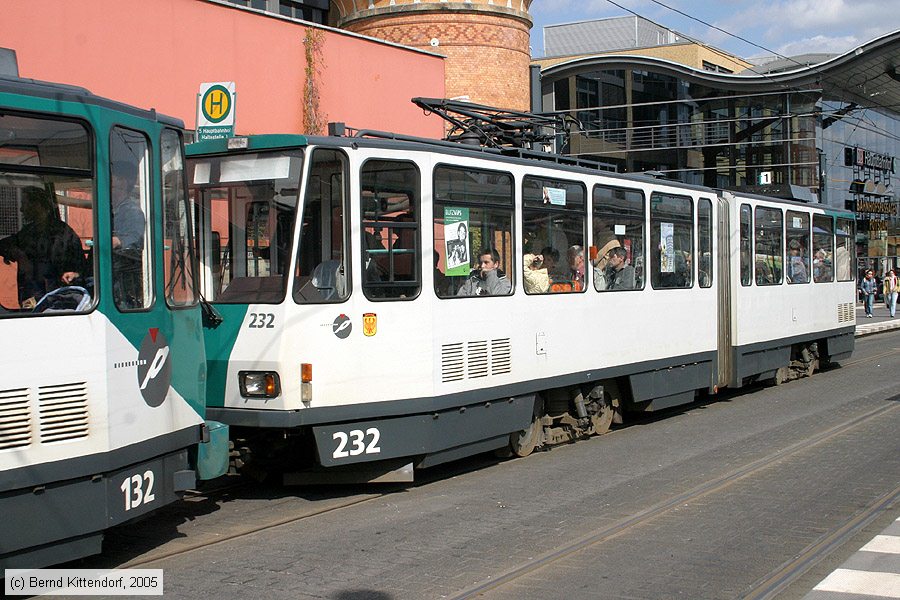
357, 439
138, 490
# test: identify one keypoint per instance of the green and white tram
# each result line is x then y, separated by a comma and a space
102, 375
392, 303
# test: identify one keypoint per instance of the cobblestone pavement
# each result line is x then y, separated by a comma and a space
439, 539
873, 572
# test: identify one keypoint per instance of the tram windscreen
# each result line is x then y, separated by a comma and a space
46, 216
246, 205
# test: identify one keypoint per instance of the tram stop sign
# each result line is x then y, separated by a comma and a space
215, 111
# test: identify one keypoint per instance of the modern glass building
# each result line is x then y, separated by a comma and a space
825, 132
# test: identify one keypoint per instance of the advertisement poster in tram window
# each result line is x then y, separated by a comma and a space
666, 247
456, 240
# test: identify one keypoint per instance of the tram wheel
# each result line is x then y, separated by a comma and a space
812, 367
602, 420
522, 443
781, 375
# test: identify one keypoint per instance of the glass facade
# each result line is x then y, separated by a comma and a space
790, 142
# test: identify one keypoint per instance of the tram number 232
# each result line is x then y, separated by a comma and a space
359, 442
138, 490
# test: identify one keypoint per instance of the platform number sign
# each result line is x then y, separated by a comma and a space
215, 110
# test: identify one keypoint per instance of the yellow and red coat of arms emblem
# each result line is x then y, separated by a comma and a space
370, 324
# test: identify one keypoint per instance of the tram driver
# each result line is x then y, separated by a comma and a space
488, 279
47, 252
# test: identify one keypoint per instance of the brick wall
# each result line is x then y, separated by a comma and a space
487, 54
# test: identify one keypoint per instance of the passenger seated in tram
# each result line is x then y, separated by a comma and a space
600, 264
488, 279
823, 270
48, 253
575, 256
797, 271
619, 275
535, 276
551, 263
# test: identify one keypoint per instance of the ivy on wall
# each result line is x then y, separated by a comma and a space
313, 119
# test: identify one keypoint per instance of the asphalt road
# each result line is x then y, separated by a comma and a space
706, 502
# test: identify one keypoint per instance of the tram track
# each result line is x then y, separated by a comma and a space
780, 578
595, 537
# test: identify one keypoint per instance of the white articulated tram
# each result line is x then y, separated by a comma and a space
389, 303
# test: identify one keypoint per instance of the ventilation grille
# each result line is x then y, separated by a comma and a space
475, 359
15, 419
453, 363
63, 412
501, 357
846, 312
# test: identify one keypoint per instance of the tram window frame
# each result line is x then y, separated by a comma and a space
705, 259
823, 242
144, 185
341, 291
845, 229
679, 228
405, 290
467, 202
776, 268
539, 200
628, 226
746, 245
74, 183
798, 233
173, 172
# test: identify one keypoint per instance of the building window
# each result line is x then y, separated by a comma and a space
708, 66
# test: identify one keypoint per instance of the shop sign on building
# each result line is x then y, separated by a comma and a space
215, 110
866, 159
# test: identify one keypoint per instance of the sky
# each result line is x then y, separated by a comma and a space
784, 27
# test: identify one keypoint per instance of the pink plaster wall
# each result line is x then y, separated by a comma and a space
156, 54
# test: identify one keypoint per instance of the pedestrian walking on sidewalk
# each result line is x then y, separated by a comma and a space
867, 286
891, 289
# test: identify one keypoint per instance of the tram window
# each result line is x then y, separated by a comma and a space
617, 252
746, 244
473, 211
769, 247
671, 241
46, 219
554, 221
704, 243
390, 228
846, 249
323, 270
130, 205
823, 247
31, 142
797, 260
178, 259
247, 204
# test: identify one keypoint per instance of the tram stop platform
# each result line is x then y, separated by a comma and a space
881, 320
872, 572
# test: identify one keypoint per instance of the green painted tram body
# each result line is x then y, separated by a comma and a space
125, 373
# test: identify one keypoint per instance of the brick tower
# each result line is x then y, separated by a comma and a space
486, 42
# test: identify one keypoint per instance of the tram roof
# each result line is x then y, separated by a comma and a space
542, 159
72, 93
261, 141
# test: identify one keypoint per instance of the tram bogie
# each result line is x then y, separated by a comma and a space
422, 301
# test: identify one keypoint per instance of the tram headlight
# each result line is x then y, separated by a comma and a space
259, 384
